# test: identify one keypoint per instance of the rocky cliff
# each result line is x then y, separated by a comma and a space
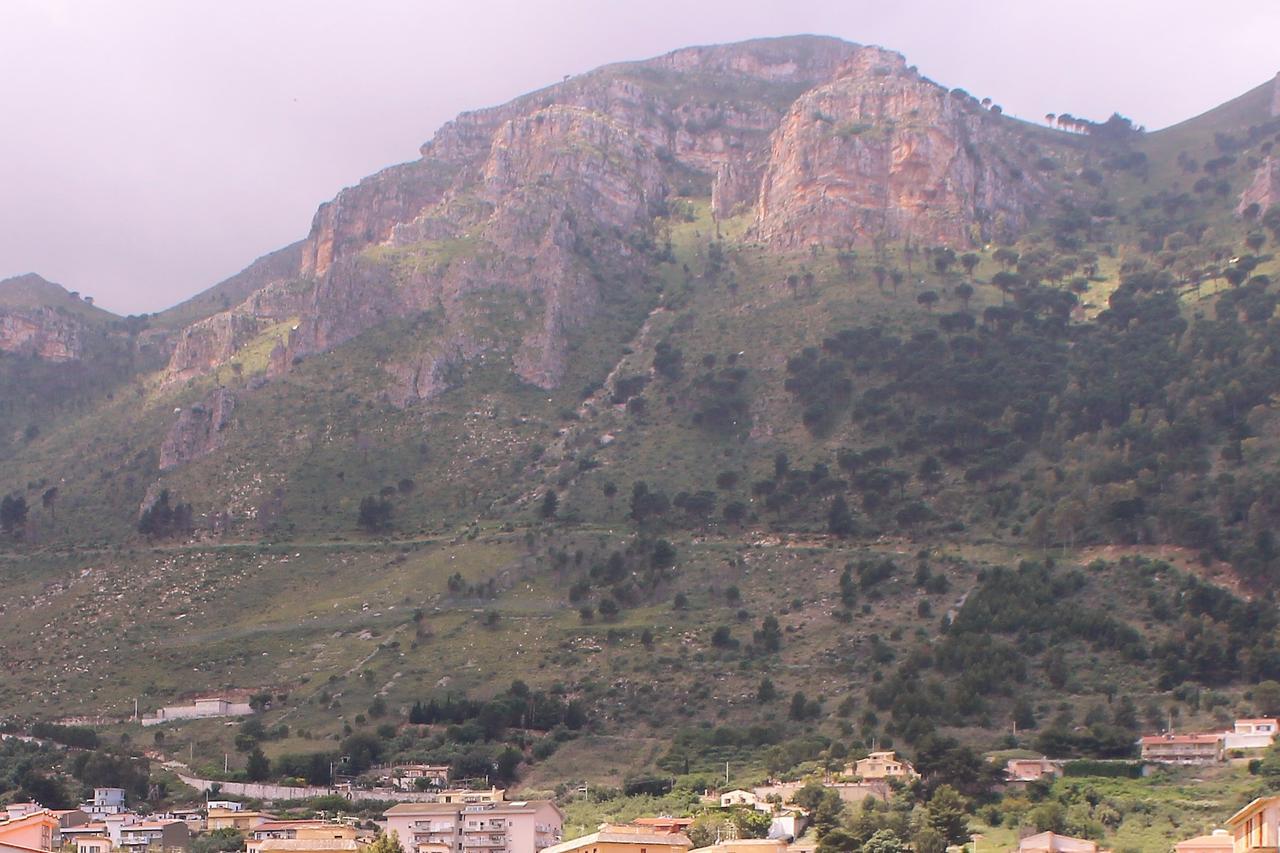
1264, 189
880, 151
41, 332
197, 430
542, 199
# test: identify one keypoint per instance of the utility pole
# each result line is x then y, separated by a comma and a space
726, 774
225, 759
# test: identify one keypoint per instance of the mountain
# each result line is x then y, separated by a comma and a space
618, 372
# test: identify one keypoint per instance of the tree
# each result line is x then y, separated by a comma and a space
946, 814
839, 519
218, 841
13, 515
885, 841
49, 501
258, 768
374, 514
1005, 257
766, 692
385, 843
969, 261
770, 635
928, 299
1266, 698
165, 519
964, 292
549, 503
799, 709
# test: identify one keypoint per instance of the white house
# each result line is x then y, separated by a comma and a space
1252, 733
197, 710
105, 801
737, 798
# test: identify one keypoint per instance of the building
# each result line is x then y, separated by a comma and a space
737, 798
237, 819
67, 819
1030, 769
1052, 842
1253, 733
788, 824
13, 811
71, 835
92, 844
1218, 841
666, 823
625, 838
198, 709
307, 845
28, 832
521, 826
298, 830
155, 836
881, 765
1183, 749
405, 777
105, 801
191, 816
1256, 825
745, 845
224, 805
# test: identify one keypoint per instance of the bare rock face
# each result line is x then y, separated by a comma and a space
1264, 190
881, 151
198, 430
553, 183
40, 332
208, 343
365, 213
534, 207
1275, 95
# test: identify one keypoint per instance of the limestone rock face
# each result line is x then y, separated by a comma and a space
518, 220
881, 151
206, 344
552, 182
40, 332
198, 430
1264, 190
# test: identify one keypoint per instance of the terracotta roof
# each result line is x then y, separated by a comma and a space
270, 825
304, 844
1055, 842
1205, 738
612, 835
1218, 838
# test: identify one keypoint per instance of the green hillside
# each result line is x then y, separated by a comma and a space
781, 506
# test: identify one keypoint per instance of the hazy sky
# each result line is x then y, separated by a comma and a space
150, 149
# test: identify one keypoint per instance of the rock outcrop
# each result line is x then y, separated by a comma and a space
534, 207
1264, 189
880, 151
206, 344
198, 430
41, 332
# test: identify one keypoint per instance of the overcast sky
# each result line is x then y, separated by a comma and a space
150, 149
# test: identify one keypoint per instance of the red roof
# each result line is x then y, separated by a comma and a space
1155, 740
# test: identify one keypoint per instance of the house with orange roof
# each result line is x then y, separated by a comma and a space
1169, 748
29, 832
300, 831
1218, 841
92, 844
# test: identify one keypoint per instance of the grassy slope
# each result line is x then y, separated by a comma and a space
32, 291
